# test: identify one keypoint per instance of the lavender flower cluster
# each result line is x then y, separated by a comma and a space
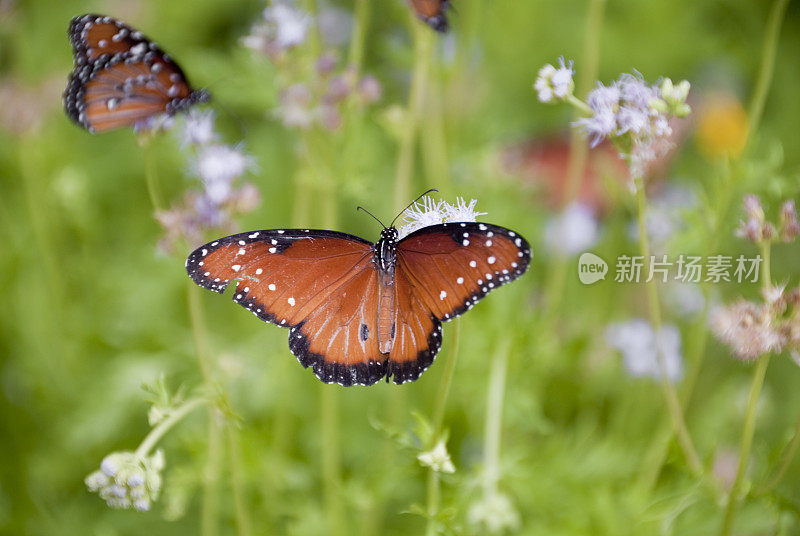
629, 112
127, 480
320, 101
757, 229
754, 329
217, 166
315, 100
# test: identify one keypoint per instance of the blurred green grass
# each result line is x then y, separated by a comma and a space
92, 310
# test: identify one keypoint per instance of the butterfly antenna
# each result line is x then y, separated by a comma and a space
410, 204
371, 214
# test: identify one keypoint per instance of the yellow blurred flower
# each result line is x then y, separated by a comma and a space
722, 127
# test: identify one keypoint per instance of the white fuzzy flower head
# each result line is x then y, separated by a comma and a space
126, 480
462, 211
635, 116
636, 339
438, 459
290, 24
218, 166
748, 328
555, 83
493, 513
198, 128
428, 211
573, 231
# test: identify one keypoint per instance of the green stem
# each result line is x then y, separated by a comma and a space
434, 493
494, 418
578, 149
145, 141
164, 426
331, 457
356, 53
765, 73
582, 107
447, 379
671, 397
423, 42
234, 451
746, 443
766, 278
209, 519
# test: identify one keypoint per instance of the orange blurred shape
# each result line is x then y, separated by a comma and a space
545, 162
722, 126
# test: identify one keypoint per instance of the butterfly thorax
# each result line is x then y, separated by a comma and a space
386, 251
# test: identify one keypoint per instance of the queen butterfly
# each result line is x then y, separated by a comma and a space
432, 12
358, 311
121, 78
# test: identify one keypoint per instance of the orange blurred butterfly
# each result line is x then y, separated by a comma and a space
121, 78
432, 13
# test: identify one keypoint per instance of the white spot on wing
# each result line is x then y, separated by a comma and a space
236, 267
271, 286
442, 295
259, 271
491, 260
460, 280
291, 301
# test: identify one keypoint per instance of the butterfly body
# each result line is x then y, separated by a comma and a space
357, 311
432, 13
121, 78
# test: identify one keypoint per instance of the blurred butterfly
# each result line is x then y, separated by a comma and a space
358, 311
432, 12
121, 78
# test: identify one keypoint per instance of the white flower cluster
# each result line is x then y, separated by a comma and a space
282, 27
637, 341
218, 166
573, 231
126, 480
438, 459
635, 116
555, 83
427, 211
493, 513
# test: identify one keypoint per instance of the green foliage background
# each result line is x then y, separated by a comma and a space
91, 310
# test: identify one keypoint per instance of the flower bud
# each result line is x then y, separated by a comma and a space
438, 459
789, 228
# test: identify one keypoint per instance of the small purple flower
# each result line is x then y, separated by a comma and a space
198, 128
290, 25
604, 102
218, 165
573, 231
642, 348
554, 83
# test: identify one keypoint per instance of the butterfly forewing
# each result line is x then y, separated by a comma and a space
93, 36
121, 78
453, 265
